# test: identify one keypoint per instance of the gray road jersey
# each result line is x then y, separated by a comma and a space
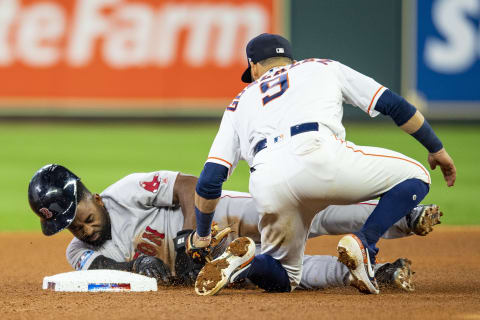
144, 220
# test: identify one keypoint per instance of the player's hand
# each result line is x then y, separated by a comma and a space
152, 267
445, 162
190, 260
207, 250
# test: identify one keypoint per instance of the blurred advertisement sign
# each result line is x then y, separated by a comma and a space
446, 49
117, 53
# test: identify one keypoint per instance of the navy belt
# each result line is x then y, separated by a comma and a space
294, 130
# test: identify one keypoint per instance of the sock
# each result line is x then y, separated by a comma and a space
267, 273
393, 205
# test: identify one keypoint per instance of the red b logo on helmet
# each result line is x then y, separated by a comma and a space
47, 214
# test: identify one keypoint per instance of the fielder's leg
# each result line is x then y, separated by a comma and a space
344, 219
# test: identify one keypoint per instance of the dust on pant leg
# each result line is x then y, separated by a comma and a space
322, 272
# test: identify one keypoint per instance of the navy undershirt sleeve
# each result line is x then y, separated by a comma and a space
393, 105
209, 185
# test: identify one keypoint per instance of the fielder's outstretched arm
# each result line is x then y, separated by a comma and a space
357, 89
222, 159
207, 194
410, 120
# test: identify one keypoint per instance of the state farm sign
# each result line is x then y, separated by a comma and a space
148, 52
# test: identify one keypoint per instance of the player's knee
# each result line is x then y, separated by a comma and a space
269, 274
411, 189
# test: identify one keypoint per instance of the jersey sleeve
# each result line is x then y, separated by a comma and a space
225, 149
80, 255
161, 196
358, 89
153, 189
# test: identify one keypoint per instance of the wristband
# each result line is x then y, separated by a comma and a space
427, 137
204, 223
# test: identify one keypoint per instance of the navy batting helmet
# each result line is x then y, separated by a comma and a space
52, 194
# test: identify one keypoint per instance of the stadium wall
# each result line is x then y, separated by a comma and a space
182, 59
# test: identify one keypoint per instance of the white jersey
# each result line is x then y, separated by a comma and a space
312, 90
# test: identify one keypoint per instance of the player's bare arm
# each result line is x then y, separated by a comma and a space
413, 122
184, 195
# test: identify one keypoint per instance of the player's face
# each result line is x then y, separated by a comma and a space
92, 222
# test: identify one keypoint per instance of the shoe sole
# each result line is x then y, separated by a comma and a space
350, 254
428, 218
216, 274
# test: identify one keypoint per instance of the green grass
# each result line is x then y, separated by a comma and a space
101, 154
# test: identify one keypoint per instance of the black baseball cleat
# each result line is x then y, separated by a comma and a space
397, 274
423, 217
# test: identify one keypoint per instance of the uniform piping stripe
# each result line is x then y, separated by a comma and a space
221, 160
235, 197
246, 262
385, 156
368, 203
373, 99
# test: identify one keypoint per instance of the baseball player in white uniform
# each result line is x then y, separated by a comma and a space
134, 223
287, 125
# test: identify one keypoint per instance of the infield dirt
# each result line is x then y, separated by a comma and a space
447, 265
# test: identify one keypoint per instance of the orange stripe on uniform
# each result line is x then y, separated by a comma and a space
235, 197
373, 99
221, 160
385, 156
367, 203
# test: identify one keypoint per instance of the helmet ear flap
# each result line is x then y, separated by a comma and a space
52, 194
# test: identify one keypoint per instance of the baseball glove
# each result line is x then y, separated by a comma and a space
190, 260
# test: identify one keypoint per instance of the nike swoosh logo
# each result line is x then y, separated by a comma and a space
369, 265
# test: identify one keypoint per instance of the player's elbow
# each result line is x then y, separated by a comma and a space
209, 185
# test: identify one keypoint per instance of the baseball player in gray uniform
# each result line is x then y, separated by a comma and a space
136, 224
